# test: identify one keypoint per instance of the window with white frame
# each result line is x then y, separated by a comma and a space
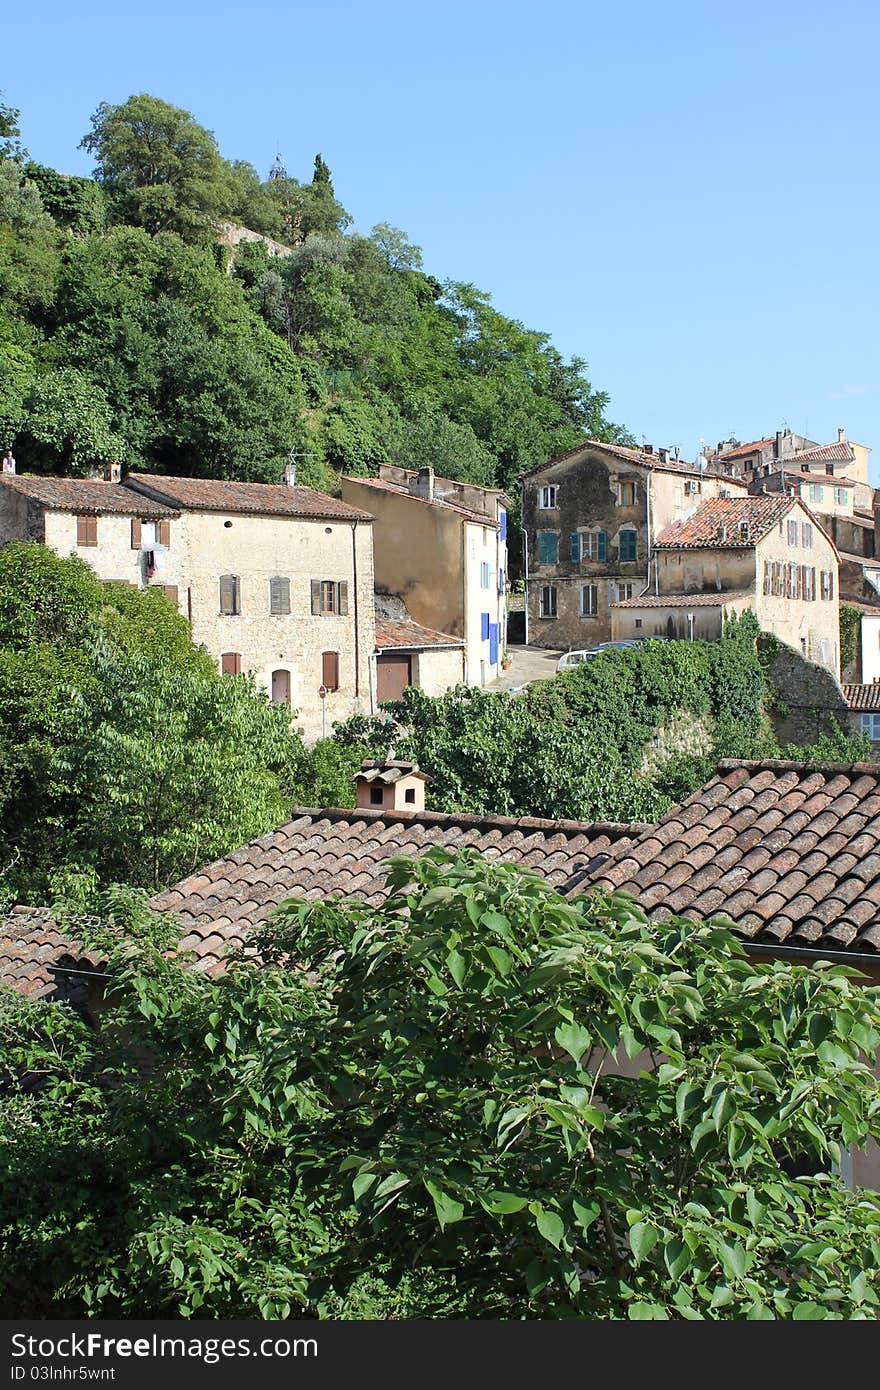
817, 492
807, 536
840, 497
485, 574
828, 584
871, 726
548, 601
624, 591
626, 493
792, 533
549, 497
589, 600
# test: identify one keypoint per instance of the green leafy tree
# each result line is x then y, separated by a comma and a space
10, 133
427, 1120
161, 169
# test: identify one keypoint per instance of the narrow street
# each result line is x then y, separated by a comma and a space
528, 664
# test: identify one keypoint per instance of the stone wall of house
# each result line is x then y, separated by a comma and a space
13, 516
683, 733
258, 548
438, 669
232, 233
811, 698
114, 557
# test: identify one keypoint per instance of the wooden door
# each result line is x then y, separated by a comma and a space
281, 687
394, 674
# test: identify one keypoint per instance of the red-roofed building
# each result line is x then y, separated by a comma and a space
592, 517
768, 554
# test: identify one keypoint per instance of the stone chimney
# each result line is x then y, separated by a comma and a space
390, 785
422, 484
112, 473
664, 455
647, 448
288, 477
841, 434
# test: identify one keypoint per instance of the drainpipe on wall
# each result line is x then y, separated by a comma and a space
354, 576
649, 547
525, 550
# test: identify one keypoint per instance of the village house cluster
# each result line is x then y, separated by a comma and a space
280, 580
631, 543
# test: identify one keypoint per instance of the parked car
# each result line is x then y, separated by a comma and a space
569, 660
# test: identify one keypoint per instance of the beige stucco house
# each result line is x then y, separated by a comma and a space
441, 547
275, 580
767, 553
592, 517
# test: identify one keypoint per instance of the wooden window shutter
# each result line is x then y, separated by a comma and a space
228, 593
164, 532
170, 592
135, 533
343, 598
279, 594
330, 670
602, 545
316, 596
230, 664
87, 530
575, 547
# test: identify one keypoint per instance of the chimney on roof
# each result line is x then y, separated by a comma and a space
288, 477
390, 785
421, 484
112, 473
841, 434
664, 455
647, 448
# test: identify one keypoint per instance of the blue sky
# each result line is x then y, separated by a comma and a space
686, 194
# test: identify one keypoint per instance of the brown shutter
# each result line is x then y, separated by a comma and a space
135, 533
87, 530
230, 664
170, 592
330, 670
279, 595
164, 532
316, 598
343, 598
229, 594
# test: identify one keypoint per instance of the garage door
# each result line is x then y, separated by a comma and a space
394, 675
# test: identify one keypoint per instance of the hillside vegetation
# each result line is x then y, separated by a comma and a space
127, 330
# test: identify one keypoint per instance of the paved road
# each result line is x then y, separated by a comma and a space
528, 664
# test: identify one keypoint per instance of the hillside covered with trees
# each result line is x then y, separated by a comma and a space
129, 331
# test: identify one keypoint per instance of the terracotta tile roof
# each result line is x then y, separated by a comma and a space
85, 496
382, 485
260, 499
319, 854
325, 853
400, 632
789, 851
818, 479
30, 943
736, 450
839, 452
862, 697
716, 524
683, 600
641, 458
862, 604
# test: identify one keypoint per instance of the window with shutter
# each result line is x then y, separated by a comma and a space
502, 517
484, 627
230, 664
628, 546
279, 595
589, 600
501, 581
548, 547
328, 596
548, 601
342, 598
230, 603
330, 670
87, 530
170, 592
165, 533
601, 545
576, 547
135, 533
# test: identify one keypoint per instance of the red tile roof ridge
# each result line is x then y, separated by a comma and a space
641, 459
471, 819
793, 765
88, 496
406, 632
703, 528
243, 497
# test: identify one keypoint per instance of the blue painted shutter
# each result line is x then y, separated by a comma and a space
502, 517
548, 547
575, 542
602, 545
501, 581
493, 644
484, 626
628, 546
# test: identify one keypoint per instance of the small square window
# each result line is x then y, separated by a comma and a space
376, 796
409, 796
549, 497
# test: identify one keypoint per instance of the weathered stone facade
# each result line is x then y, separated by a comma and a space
811, 699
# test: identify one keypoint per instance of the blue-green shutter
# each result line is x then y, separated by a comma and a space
602, 545
576, 547
628, 546
548, 547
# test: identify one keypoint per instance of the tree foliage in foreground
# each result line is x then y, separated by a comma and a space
424, 1120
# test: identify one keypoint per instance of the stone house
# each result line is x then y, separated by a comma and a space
837, 473
768, 553
591, 518
274, 580
441, 548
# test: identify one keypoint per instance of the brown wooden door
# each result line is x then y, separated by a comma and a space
281, 687
394, 674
